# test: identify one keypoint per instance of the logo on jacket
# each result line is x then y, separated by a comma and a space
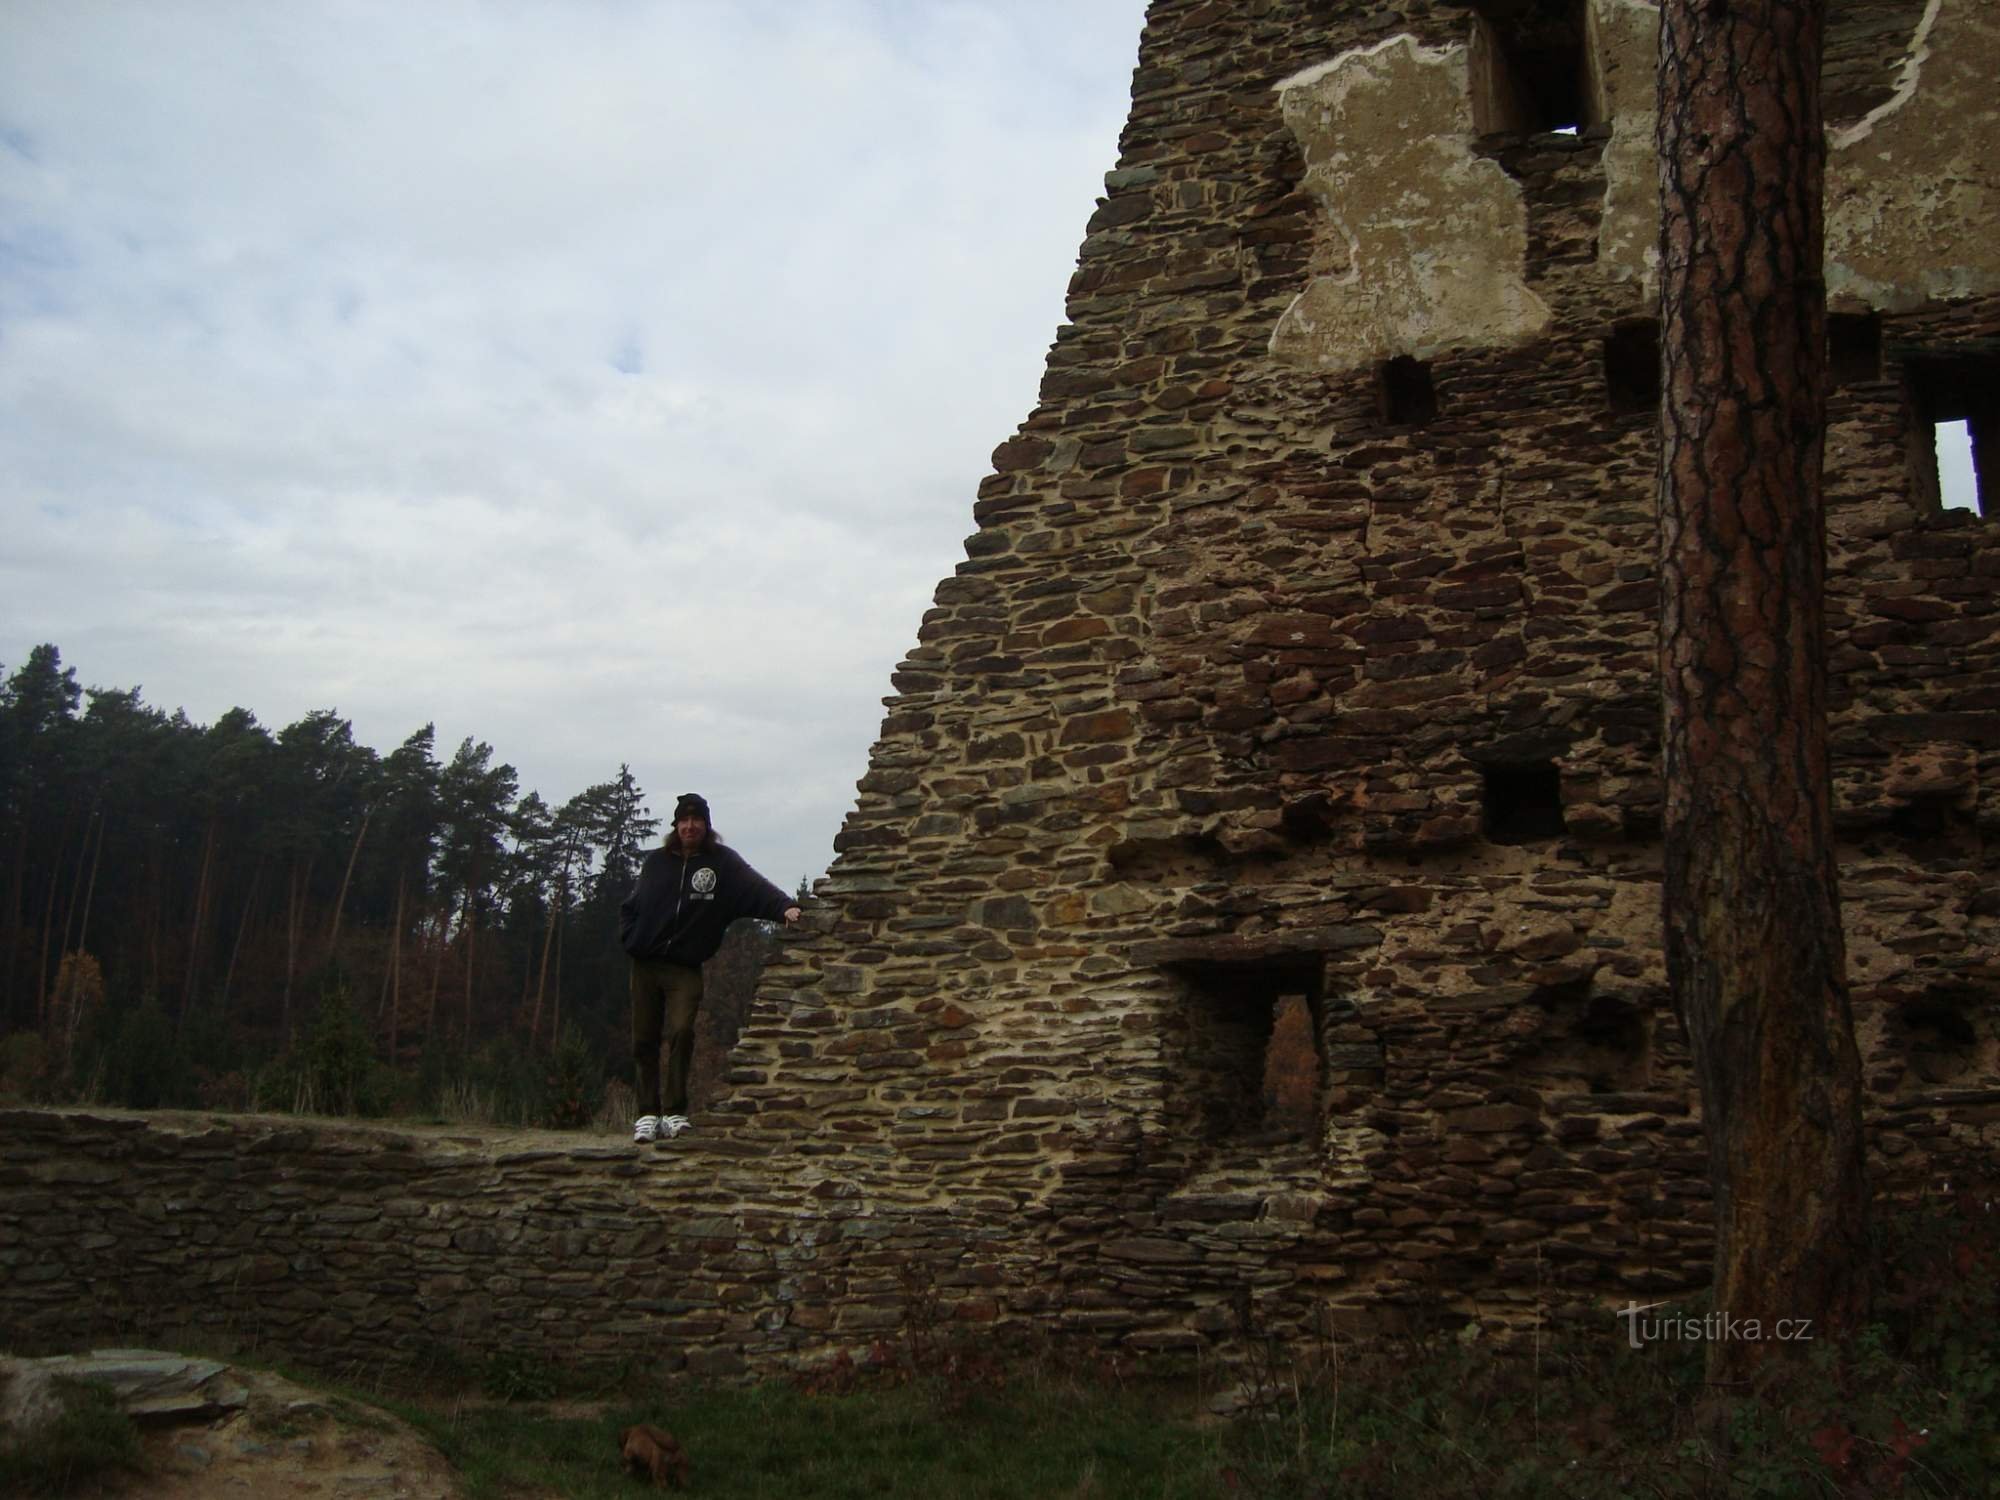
704, 881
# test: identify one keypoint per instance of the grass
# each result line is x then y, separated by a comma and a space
776, 1440
90, 1439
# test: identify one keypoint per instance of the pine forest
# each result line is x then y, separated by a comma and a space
225, 917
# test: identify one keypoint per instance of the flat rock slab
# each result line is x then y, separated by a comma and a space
149, 1385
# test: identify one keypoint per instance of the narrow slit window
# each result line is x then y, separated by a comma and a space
1958, 481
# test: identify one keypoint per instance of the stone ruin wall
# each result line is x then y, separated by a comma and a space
1305, 648
1248, 639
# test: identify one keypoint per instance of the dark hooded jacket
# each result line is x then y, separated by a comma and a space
682, 905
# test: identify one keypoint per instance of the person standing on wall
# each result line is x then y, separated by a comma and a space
689, 891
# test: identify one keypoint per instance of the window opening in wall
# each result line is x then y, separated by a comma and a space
1958, 485
1853, 348
1523, 804
1932, 818
1632, 365
1252, 1070
1595, 1039
1955, 442
1528, 69
1404, 392
1941, 1044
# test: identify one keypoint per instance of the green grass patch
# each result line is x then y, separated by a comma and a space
776, 1441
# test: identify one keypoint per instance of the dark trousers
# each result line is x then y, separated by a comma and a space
663, 995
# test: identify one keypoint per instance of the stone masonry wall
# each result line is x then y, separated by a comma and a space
368, 1249
1304, 648
1263, 676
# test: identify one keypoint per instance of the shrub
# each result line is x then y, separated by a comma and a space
24, 1067
573, 1083
144, 1064
336, 1060
88, 1438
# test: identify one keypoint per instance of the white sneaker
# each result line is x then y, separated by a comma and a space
673, 1125
647, 1129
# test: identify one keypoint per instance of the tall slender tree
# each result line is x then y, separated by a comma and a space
409, 842
622, 832
571, 838
475, 795
1754, 949
323, 776
37, 734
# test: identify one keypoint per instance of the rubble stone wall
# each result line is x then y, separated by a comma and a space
359, 1249
1269, 671
1305, 646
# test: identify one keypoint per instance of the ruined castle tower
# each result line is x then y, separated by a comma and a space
1298, 683
1302, 666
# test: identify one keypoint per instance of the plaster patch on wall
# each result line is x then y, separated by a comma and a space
1435, 238
1906, 82
1912, 190
1622, 43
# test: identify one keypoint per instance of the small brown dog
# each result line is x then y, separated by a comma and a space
652, 1450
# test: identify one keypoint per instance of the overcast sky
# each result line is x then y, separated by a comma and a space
608, 380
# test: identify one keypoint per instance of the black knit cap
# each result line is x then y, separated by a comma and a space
692, 804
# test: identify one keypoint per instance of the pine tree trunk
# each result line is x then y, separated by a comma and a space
396, 972
14, 898
1754, 951
90, 890
437, 973
470, 919
340, 902
76, 883
391, 973
295, 921
236, 948
555, 1013
197, 927
548, 942
155, 905
48, 922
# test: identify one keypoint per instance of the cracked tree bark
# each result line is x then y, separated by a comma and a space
1755, 956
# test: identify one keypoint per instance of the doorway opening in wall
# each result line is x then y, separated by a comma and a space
1955, 446
1522, 803
1529, 73
1253, 1066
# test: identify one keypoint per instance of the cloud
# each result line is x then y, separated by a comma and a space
610, 382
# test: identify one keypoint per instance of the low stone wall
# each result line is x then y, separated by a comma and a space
355, 1248
352, 1247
